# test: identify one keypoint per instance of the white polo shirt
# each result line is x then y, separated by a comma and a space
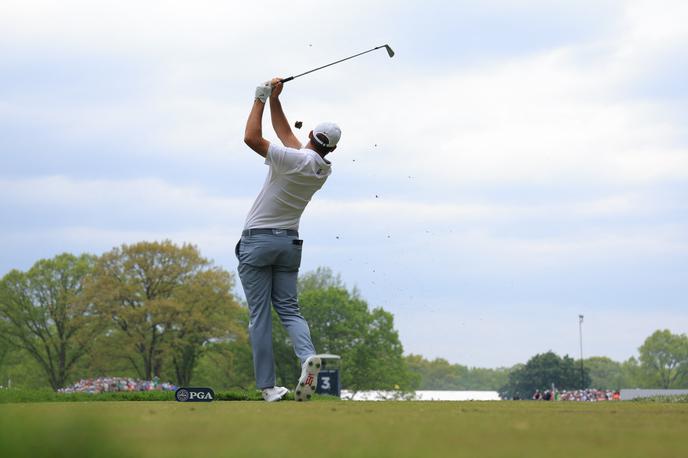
294, 176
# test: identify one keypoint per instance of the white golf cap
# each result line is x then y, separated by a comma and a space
330, 130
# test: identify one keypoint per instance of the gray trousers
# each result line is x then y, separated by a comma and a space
268, 269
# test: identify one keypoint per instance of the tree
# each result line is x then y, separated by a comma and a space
228, 364
42, 311
207, 312
606, 373
5, 359
21, 370
335, 316
342, 323
479, 378
163, 300
5, 349
541, 372
439, 374
320, 279
633, 374
664, 358
378, 361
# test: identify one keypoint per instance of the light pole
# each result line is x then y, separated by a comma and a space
580, 333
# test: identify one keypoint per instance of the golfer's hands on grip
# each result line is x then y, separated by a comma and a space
272, 88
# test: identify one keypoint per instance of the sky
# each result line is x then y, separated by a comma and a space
516, 164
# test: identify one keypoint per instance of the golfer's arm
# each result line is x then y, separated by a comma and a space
281, 125
253, 136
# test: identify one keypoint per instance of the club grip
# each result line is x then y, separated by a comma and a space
286, 79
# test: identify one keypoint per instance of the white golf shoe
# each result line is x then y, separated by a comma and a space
274, 394
309, 379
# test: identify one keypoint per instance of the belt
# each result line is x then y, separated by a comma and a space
290, 232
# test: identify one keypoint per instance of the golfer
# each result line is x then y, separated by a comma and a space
269, 251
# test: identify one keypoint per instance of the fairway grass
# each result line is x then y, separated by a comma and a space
344, 429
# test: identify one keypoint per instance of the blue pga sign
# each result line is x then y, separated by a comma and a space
194, 395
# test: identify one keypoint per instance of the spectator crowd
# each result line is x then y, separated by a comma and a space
590, 395
110, 384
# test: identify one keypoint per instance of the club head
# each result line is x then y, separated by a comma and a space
390, 52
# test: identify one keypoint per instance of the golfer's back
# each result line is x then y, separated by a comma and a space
294, 176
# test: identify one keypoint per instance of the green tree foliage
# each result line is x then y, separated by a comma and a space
439, 374
164, 301
664, 359
207, 312
42, 312
5, 349
606, 373
378, 361
157, 309
21, 370
342, 323
480, 378
320, 279
633, 374
228, 364
541, 372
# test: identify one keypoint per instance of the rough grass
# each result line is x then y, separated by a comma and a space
344, 429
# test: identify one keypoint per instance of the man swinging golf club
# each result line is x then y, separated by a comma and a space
269, 251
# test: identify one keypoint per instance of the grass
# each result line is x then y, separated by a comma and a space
344, 429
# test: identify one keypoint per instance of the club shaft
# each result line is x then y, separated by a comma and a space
328, 65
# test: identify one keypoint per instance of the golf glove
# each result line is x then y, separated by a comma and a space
263, 91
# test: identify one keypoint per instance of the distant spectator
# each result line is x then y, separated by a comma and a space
589, 395
115, 384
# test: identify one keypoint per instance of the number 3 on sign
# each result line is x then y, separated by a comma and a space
325, 383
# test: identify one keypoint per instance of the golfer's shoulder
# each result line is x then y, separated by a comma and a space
280, 150
285, 158
280, 154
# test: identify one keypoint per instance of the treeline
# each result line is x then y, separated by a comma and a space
662, 363
440, 374
155, 309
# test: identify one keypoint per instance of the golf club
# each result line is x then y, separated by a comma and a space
390, 52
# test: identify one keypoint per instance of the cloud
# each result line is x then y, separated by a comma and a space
544, 117
128, 205
512, 153
53, 214
535, 120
